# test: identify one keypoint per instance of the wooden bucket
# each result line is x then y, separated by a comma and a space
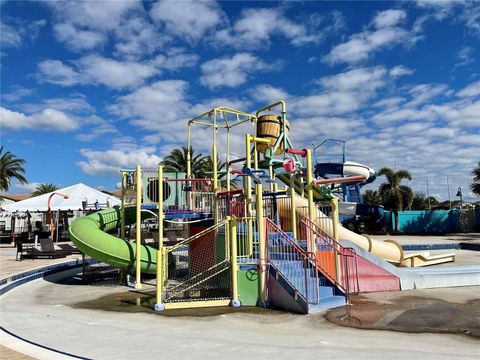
269, 127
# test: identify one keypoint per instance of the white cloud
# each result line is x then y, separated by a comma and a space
187, 19
389, 18
256, 27
361, 46
84, 25
27, 188
175, 59
98, 128
232, 71
112, 73
46, 120
16, 32
56, 72
360, 79
400, 70
77, 39
111, 161
99, 70
17, 93
472, 89
269, 94
159, 106
464, 56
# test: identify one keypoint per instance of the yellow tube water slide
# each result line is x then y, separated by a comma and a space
388, 250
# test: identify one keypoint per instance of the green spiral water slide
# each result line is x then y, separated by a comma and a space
90, 235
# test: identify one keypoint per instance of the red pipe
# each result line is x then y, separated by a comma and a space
237, 171
340, 180
302, 152
229, 193
236, 161
52, 224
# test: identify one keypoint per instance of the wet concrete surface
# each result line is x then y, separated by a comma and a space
411, 314
102, 320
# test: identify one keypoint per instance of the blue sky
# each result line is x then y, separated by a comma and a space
90, 87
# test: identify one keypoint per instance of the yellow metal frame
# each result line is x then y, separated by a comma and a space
196, 304
138, 278
160, 275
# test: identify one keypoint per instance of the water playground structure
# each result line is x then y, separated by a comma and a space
264, 232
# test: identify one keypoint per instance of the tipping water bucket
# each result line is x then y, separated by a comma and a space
269, 126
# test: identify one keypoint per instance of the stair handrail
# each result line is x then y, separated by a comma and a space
308, 261
342, 252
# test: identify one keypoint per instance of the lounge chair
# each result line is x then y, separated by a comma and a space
47, 249
22, 251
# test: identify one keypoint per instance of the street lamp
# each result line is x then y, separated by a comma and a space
52, 225
459, 193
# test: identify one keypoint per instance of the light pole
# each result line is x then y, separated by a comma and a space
52, 225
459, 193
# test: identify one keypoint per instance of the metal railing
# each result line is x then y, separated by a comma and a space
296, 265
198, 268
179, 195
231, 203
247, 241
336, 262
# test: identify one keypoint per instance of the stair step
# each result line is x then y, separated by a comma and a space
327, 303
325, 291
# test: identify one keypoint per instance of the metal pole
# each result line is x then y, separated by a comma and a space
261, 245
449, 199
335, 226
248, 190
189, 160
138, 284
233, 249
311, 204
158, 305
293, 208
428, 195
122, 207
227, 167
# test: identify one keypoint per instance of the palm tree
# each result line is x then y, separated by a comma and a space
10, 167
372, 197
395, 196
207, 171
475, 186
176, 161
44, 189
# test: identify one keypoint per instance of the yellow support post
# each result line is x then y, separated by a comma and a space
293, 208
189, 159
233, 259
248, 189
122, 206
138, 283
335, 225
311, 204
261, 245
159, 291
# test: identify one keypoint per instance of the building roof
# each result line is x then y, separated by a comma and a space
77, 194
16, 197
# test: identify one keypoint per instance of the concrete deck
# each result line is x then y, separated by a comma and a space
103, 322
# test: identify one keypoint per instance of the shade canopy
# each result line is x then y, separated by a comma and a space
76, 195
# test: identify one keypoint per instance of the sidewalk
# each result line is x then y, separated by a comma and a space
9, 266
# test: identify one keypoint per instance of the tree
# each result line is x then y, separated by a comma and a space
421, 202
176, 161
11, 167
207, 171
372, 197
475, 186
395, 196
44, 189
